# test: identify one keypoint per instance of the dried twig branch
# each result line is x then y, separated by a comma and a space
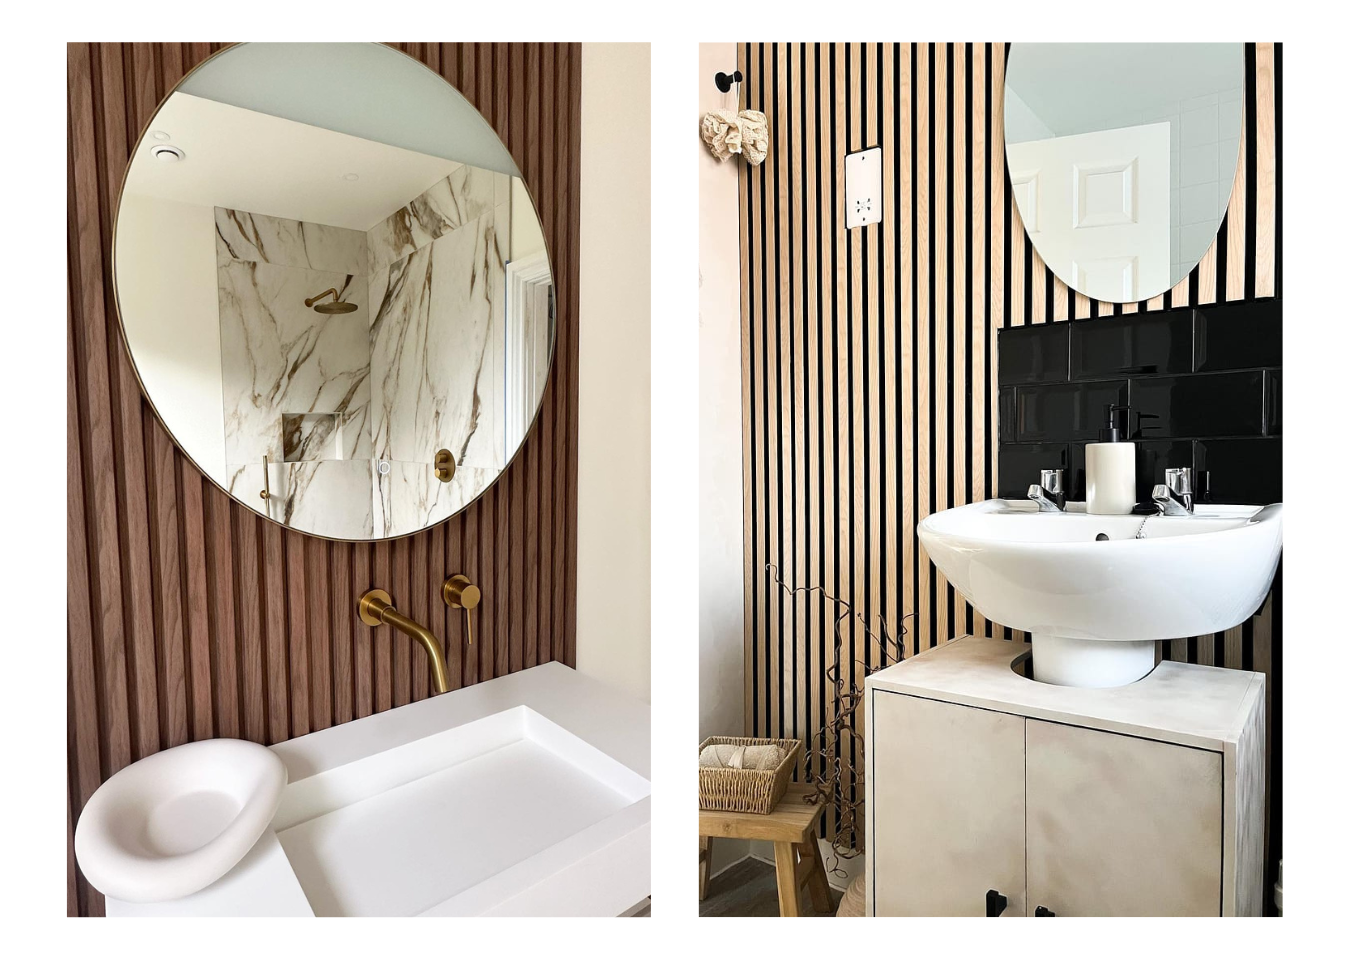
833, 744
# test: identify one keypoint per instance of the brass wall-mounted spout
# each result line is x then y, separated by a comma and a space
375, 608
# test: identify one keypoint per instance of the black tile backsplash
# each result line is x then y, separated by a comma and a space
1238, 336
1020, 465
1143, 343
1037, 353
1273, 403
1061, 411
1203, 404
1203, 385
1238, 471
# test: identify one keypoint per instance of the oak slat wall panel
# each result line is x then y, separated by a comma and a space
189, 616
887, 380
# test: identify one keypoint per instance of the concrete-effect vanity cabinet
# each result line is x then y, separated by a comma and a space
1141, 800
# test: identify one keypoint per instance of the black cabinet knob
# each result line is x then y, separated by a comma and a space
994, 903
1042, 912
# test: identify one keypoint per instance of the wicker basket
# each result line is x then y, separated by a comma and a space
746, 791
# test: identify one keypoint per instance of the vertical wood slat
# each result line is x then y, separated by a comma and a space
90, 368
940, 424
128, 460
941, 285
889, 381
905, 228
982, 390
923, 252
196, 601
341, 620
811, 679
191, 617
296, 622
797, 403
855, 387
871, 653
572, 227
832, 205
750, 576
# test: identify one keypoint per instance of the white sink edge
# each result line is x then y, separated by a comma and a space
614, 724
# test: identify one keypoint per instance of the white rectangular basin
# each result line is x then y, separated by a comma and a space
525, 795
487, 796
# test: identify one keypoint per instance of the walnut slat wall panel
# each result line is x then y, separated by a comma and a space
869, 356
189, 616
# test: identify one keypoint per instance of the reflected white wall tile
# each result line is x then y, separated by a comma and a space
331, 497
327, 497
410, 496
431, 342
458, 199
279, 356
291, 243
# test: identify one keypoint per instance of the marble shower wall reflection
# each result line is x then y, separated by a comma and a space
296, 383
329, 399
436, 279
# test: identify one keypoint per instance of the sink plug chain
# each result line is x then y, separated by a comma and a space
1139, 534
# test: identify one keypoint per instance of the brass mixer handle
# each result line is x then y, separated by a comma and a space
460, 594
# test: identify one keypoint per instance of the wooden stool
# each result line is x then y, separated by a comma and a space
791, 826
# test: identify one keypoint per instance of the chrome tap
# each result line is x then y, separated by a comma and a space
1173, 498
1048, 495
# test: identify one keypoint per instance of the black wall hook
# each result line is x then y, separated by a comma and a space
725, 80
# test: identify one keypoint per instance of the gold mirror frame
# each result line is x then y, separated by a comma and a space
126, 340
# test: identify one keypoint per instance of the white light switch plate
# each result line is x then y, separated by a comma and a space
862, 188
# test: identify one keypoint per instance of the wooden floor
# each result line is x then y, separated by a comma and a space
750, 889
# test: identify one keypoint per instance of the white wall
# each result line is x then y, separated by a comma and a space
526, 235
1020, 121
721, 660
614, 401
170, 308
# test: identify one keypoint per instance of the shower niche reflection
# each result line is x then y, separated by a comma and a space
320, 292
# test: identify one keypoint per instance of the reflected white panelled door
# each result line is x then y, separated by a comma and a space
1100, 202
529, 340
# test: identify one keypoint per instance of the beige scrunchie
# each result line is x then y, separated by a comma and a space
727, 133
754, 136
722, 133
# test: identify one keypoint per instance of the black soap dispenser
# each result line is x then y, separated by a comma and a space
1110, 465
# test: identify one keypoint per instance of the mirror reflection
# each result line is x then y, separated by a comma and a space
330, 275
1122, 157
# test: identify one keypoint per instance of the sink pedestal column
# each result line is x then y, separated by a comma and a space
1071, 662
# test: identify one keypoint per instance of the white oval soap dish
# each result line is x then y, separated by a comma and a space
178, 820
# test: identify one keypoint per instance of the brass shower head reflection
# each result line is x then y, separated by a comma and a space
337, 306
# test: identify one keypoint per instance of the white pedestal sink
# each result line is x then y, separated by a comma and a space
1094, 596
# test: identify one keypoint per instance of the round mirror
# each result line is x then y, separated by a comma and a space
1122, 156
334, 286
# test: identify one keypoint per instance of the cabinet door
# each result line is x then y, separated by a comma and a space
1121, 827
948, 796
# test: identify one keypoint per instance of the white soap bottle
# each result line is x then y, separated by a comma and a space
1110, 465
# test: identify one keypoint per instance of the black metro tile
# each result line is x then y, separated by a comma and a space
1036, 353
1020, 465
1146, 343
1075, 480
1273, 404
1068, 411
1237, 336
1203, 405
1239, 471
